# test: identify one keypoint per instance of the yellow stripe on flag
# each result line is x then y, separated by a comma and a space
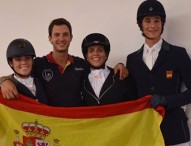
109, 125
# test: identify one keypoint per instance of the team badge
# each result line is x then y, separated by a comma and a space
169, 74
47, 74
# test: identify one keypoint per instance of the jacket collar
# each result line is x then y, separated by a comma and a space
165, 48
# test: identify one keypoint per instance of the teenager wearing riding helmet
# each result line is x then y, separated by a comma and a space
161, 73
101, 85
20, 54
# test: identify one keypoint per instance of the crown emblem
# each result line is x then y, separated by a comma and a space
36, 134
34, 129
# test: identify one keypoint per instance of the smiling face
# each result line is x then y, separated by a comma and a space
152, 27
22, 65
96, 55
60, 38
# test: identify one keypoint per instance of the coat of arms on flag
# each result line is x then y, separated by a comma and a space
35, 135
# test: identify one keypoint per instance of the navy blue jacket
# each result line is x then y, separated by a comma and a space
172, 68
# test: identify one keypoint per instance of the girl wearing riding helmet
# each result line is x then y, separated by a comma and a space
20, 54
101, 85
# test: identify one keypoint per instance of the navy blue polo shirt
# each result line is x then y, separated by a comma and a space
62, 86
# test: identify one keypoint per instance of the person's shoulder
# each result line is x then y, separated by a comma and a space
134, 54
174, 50
174, 47
38, 59
76, 58
178, 51
177, 48
110, 69
79, 61
39, 62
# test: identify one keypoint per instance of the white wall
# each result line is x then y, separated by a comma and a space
115, 18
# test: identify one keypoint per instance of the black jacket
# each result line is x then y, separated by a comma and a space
40, 94
172, 68
113, 90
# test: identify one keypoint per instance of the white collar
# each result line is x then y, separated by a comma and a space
104, 72
156, 47
25, 81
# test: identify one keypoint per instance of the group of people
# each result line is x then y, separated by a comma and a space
60, 79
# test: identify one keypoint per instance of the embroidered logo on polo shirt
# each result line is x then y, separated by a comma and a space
47, 74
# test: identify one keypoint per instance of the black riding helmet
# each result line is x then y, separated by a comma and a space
95, 39
20, 47
17, 48
150, 7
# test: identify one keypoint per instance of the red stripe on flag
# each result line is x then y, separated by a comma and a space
29, 105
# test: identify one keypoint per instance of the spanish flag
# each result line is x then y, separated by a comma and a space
25, 122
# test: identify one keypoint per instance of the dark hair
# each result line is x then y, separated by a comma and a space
59, 21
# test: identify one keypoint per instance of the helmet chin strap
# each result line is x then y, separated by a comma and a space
99, 67
22, 76
152, 38
18, 74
